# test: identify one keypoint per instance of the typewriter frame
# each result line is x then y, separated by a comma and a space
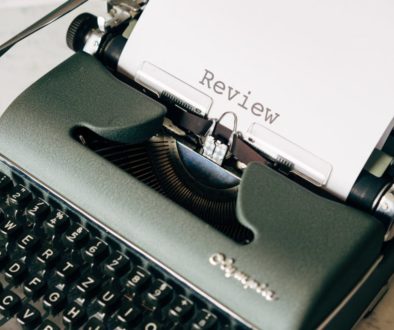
36, 135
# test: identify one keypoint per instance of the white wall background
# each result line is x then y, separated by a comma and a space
34, 56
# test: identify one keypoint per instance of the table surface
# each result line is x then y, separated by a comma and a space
38, 54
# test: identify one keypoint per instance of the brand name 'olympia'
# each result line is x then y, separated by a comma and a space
247, 281
240, 99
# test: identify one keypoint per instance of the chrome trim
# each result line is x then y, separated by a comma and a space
379, 196
132, 7
350, 295
145, 254
385, 211
93, 41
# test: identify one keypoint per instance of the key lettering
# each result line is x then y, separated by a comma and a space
28, 313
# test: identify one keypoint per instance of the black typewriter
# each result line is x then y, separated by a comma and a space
116, 214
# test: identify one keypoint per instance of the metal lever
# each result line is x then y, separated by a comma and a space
213, 148
43, 22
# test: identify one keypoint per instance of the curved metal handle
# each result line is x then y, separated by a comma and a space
235, 127
54, 15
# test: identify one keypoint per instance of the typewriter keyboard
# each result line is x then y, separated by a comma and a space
59, 270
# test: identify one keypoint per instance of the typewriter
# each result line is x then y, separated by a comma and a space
122, 208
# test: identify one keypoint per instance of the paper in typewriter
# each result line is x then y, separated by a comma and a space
315, 77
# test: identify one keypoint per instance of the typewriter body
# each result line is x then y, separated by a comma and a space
244, 243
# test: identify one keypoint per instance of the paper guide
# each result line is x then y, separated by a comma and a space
318, 74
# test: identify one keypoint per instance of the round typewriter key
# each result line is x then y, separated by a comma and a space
37, 210
152, 324
74, 315
76, 236
9, 303
28, 243
34, 286
129, 314
138, 280
54, 300
94, 324
19, 196
67, 270
116, 264
15, 272
10, 229
57, 222
47, 256
158, 294
88, 285
48, 325
181, 309
29, 317
95, 251
109, 298
205, 320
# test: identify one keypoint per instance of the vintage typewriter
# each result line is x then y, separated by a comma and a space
124, 209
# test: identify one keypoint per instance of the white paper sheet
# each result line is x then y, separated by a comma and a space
318, 73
